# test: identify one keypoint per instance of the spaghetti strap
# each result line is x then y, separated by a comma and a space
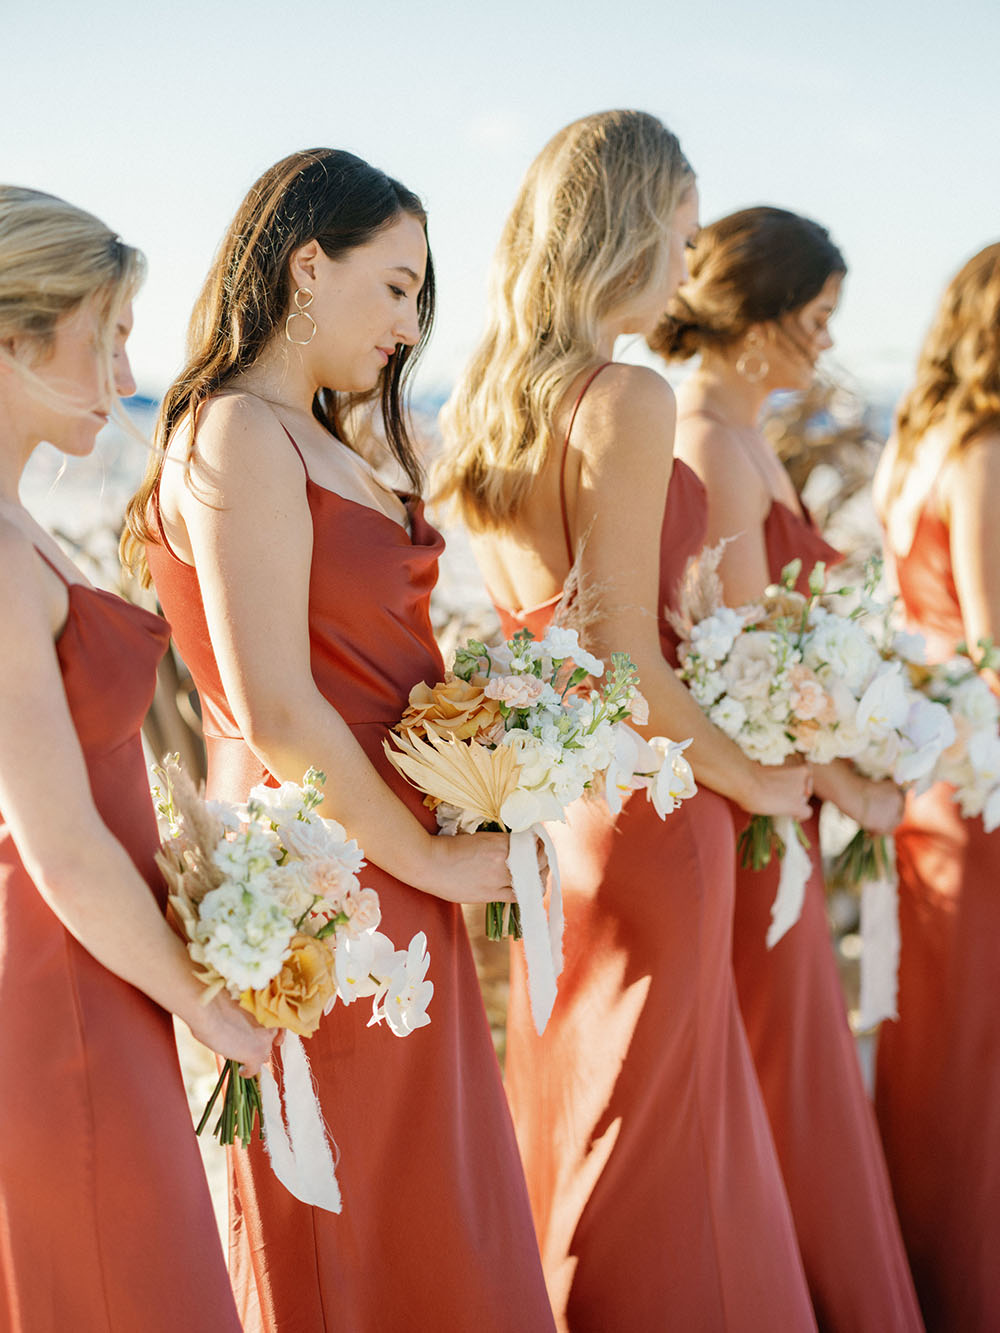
295, 447
562, 462
55, 569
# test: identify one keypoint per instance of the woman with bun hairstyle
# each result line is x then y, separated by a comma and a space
650, 1165
937, 1091
763, 286
298, 585
105, 1217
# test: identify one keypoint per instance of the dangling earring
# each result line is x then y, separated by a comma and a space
752, 352
303, 299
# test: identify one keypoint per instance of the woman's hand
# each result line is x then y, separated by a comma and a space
876, 806
468, 868
231, 1032
776, 790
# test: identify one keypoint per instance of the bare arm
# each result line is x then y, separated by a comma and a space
972, 498
738, 503
250, 482
83, 873
625, 431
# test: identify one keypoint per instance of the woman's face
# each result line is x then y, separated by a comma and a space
793, 346
365, 305
646, 312
73, 367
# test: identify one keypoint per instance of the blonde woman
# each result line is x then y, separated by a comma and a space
105, 1218
756, 310
938, 1079
298, 587
653, 1180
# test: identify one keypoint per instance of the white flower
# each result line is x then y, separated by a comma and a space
407, 994
973, 700
729, 715
243, 934
927, 733
318, 839
707, 687
524, 808
767, 743
885, 703
840, 649
752, 665
991, 810
909, 647
674, 780
561, 644
519, 691
452, 820
713, 637
363, 964
247, 857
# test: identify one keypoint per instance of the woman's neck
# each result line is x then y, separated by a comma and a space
279, 379
17, 444
718, 387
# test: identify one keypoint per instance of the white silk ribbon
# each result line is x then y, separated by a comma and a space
300, 1156
796, 867
879, 952
542, 936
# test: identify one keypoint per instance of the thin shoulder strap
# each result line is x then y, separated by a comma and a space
296, 448
55, 569
562, 462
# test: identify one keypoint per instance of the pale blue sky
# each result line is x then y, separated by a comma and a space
880, 119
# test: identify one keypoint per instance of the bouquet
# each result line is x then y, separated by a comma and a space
798, 674
971, 764
508, 740
269, 899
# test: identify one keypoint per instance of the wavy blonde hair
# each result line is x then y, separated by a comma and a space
54, 258
957, 385
589, 230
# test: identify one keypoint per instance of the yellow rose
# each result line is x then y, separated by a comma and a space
296, 997
454, 707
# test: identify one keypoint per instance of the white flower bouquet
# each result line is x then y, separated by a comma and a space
509, 739
269, 899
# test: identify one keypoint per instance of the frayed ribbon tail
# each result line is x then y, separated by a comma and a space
796, 867
542, 937
879, 952
300, 1156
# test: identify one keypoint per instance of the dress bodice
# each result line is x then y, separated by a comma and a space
789, 536
927, 590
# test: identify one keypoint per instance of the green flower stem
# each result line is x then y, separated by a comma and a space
865, 858
241, 1106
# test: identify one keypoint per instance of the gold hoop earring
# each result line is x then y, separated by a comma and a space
303, 299
753, 374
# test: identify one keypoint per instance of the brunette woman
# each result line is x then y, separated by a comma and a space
652, 1174
105, 1217
938, 1074
763, 286
298, 585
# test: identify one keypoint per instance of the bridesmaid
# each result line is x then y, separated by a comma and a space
105, 1216
298, 584
938, 1073
652, 1174
764, 284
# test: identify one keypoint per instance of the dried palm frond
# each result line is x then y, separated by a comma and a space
460, 773
699, 591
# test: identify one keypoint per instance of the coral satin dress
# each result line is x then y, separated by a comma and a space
823, 1124
652, 1174
106, 1225
435, 1232
938, 1075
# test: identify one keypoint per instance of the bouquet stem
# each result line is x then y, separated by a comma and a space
503, 919
865, 858
240, 1106
758, 842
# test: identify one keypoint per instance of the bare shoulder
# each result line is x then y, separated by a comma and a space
239, 444
972, 474
712, 447
23, 590
626, 405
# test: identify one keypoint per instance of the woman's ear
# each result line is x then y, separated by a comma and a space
302, 264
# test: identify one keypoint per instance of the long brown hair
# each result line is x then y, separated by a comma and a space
589, 228
320, 194
756, 266
957, 385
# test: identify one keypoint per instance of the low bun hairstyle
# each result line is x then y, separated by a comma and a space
756, 266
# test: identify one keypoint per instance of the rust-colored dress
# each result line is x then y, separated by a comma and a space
938, 1072
106, 1225
823, 1124
652, 1174
435, 1232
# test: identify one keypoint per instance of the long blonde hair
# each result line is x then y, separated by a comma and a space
588, 230
957, 385
55, 257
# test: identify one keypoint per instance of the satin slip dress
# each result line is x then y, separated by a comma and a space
653, 1178
435, 1232
937, 1092
796, 1021
106, 1225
